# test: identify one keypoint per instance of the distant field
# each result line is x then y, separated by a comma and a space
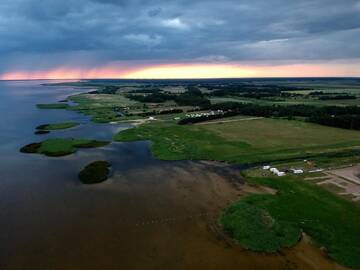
351, 90
349, 86
101, 100
101, 107
291, 101
276, 133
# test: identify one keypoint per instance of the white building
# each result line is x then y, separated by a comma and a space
297, 171
277, 172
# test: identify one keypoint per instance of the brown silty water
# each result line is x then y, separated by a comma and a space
158, 217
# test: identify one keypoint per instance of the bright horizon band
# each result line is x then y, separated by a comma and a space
191, 71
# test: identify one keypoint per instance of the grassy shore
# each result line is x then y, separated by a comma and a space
103, 108
243, 141
60, 146
270, 222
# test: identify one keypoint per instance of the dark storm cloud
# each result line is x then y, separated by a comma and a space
90, 32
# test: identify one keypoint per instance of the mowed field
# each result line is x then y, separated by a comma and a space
243, 141
277, 133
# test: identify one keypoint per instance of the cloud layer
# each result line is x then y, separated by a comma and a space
42, 35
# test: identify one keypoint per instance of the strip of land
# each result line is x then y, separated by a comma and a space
56, 147
57, 126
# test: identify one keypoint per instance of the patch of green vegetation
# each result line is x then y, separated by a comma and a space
174, 142
60, 146
256, 230
244, 141
103, 108
52, 106
95, 172
57, 126
331, 221
333, 188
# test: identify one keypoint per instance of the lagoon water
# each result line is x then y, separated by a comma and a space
150, 214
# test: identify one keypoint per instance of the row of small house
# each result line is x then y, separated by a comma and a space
281, 173
193, 115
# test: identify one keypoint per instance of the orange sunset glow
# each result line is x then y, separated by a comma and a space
189, 71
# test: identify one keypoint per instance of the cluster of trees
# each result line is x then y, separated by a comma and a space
337, 97
156, 97
252, 87
171, 111
255, 91
151, 113
321, 93
244, 91
109, 89
331, 95
342, 117
348, 121
316, 93
265, 110
192, 97
144, 91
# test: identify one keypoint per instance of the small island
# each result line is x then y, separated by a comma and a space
57, 126
95, 172
53, 106
41, 132
56, 147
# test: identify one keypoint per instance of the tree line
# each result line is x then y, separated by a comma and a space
192, 97
336, 116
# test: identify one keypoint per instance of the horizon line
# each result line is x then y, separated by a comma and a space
200, 78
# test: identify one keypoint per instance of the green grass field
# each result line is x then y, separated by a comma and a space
269, 222
102, 107
255, 229
242, 141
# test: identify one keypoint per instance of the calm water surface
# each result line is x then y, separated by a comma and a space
150, 214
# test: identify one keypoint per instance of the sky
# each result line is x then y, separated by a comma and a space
178, 39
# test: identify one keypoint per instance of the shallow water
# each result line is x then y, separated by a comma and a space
150, 214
